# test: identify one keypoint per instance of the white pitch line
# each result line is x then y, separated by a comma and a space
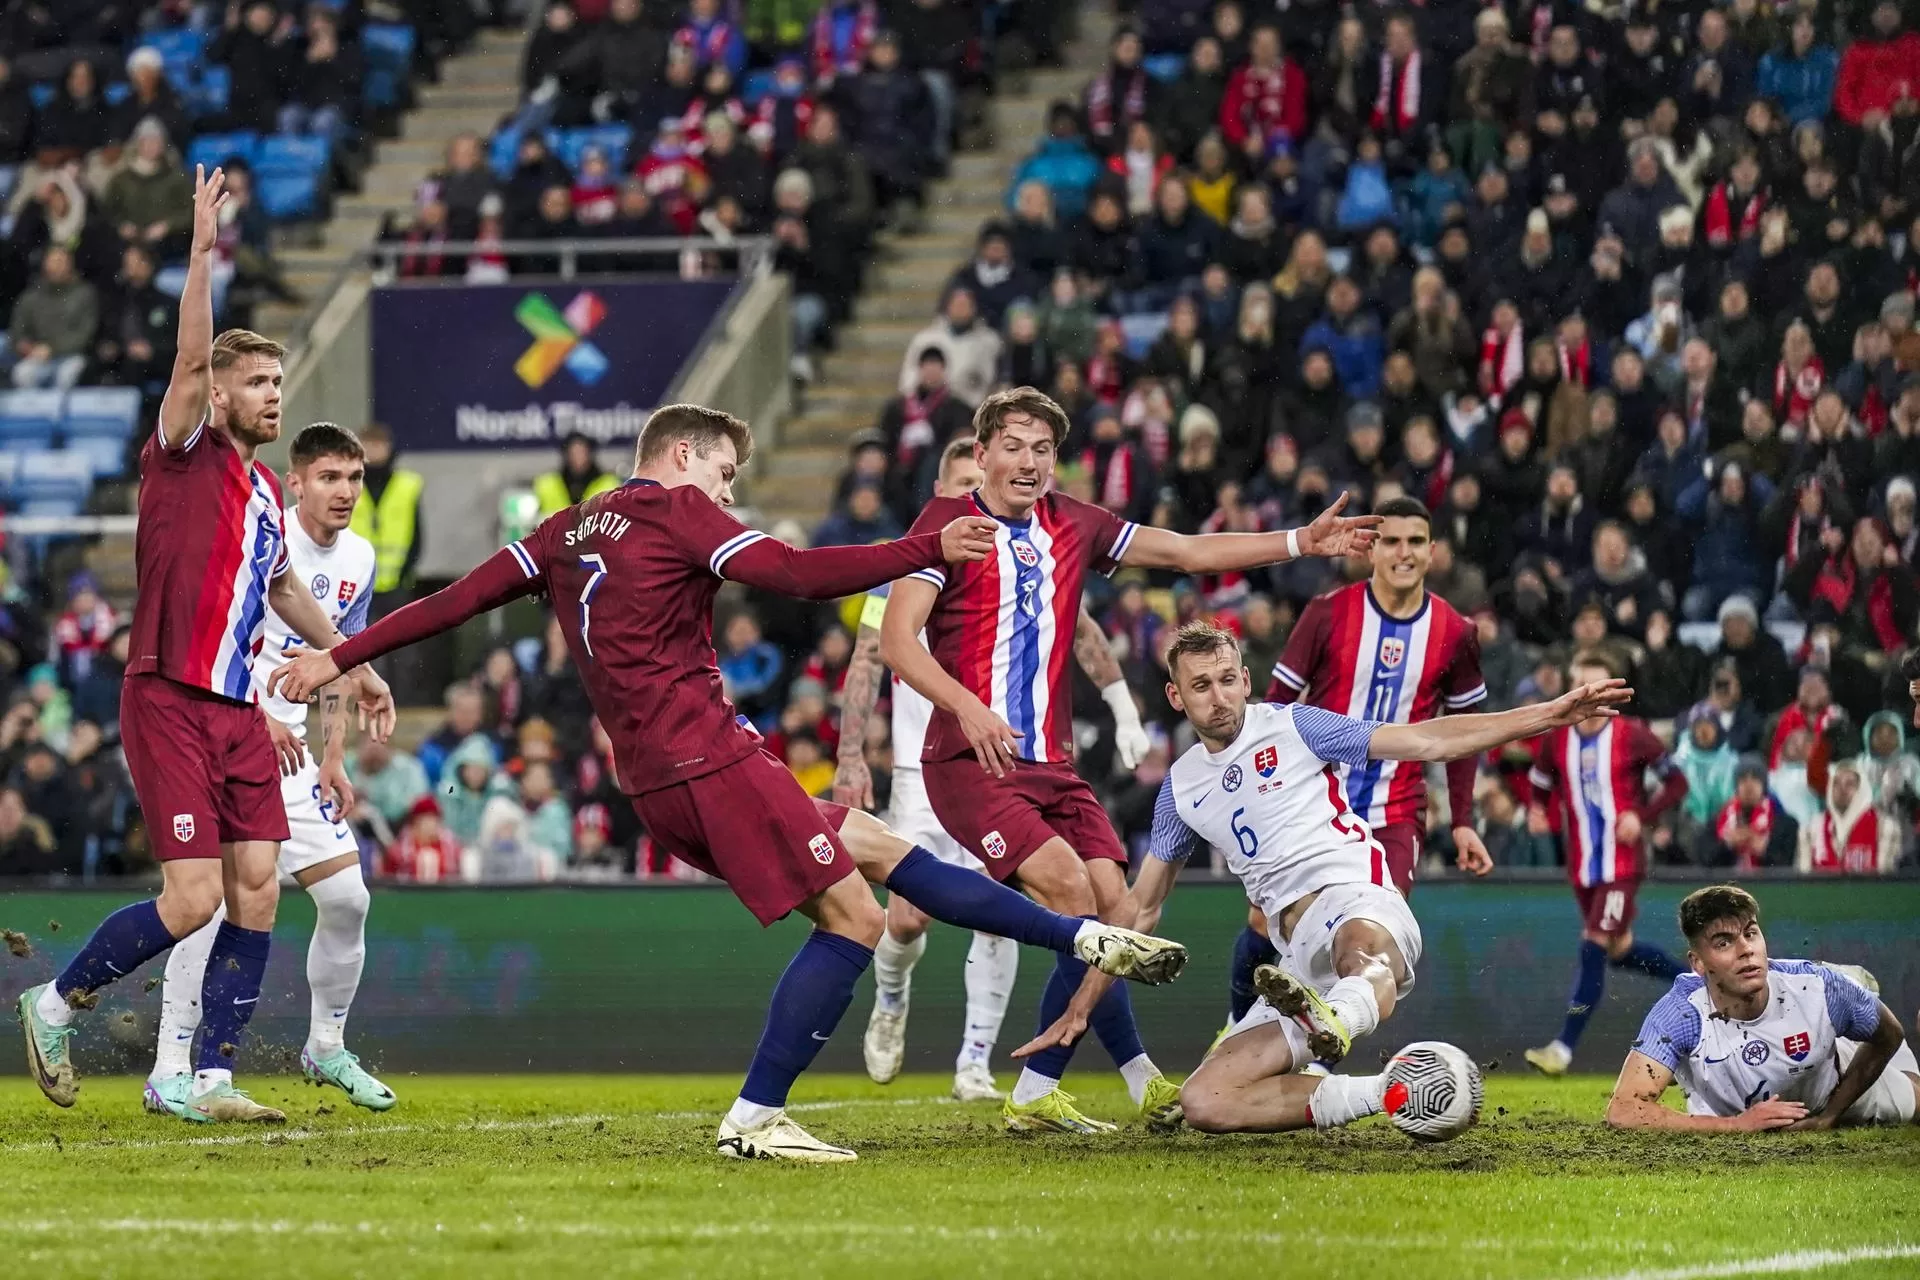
1774, 1264
261, 1136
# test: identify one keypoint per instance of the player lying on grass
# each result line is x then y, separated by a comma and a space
987, 645
1262, 788
632, 574
1763, 1044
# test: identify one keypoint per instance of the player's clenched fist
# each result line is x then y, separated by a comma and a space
968, 538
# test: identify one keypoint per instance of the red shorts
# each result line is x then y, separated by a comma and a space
1402, 841
1607, 908
1002, 821
750, 824
203, 768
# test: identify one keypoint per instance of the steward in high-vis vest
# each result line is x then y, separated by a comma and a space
388, 514
579, 477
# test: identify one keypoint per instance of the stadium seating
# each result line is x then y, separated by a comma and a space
97, 423
213, 149
387, 50
28, 419
570, 145
52, 482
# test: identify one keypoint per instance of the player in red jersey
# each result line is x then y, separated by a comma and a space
1593, 775
632, 574
999, 751
209, 558
1385, 649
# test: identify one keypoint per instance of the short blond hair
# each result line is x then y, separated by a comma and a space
991, 417
696, 423
236, 345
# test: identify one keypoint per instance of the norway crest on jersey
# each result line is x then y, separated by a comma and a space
183, 827
1266, 760
821, 848
1393, 651
1025, 554
1798, 1046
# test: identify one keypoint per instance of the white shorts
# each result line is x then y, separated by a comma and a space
911, 817
315, 834
1890, 1099
1309, 956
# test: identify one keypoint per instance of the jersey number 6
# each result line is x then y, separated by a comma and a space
1249, 842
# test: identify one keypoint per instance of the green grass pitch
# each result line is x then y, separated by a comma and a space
615, 1175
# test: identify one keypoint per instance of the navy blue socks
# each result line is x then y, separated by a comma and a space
1650, 960
973, 901
235, 966
1587, 990
1250, 951
124, 941
807, 1004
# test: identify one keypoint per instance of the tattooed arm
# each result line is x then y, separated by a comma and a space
1095, 656
333, 700
852, 783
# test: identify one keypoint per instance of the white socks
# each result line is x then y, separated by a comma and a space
53, 1007
893, 963
750, 1115
1343, 1099
1358, 1007
1032, 1086
1138, 1072
992, 964
180, 998
336, 956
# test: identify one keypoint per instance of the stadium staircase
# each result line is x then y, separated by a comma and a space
796, 479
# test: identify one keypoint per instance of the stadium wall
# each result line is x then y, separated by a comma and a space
676, 978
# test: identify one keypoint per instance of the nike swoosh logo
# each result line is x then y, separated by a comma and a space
819, 1037
1711, 1061
1202, 796
249, 1000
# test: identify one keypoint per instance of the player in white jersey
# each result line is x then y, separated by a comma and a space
1759, 1044
336, 565
992, 962
1262, 786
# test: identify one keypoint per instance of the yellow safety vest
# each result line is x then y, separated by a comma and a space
389, 524
551, 489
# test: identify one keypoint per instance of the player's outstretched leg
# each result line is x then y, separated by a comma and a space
122, 943
901, 945
970, 900
1368, 969
1251, 1083
808, 1003
335, 958
992, 965
1644, 957
1589, 984
171, 1082
1250, 950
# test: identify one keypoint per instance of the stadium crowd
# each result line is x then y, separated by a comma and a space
1624, 296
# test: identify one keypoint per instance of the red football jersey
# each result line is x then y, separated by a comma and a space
1592, 781
632, 574
1003, 627
207, 544
1347, 655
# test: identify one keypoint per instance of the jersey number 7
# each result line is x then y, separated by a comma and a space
598, 564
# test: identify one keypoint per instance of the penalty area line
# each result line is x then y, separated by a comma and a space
1775, 1264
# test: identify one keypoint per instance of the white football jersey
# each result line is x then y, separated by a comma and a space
341, 579
1789, 1051
912, 711
1273, 804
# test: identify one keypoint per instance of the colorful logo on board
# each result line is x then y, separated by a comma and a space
560, 339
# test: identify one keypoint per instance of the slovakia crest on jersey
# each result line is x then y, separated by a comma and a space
321, 585
1798, 1045
1231, 778
1025, 554
1755, 1053
1393, 651
345, 596
1266, 760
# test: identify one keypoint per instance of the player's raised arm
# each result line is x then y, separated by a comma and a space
185, 407
1331, 534
1451, 737
509, 573
908, 605
827, 573
1095, 656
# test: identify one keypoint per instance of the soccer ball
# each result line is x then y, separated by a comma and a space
1434, 1091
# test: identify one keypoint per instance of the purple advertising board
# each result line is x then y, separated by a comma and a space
523, 365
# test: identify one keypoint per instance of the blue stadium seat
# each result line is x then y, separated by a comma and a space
9, 476
116, 93
294, 151
40, 95
754, 86
210, 96
213, 149
96, 412
1164, 66
502, 149
178, 44
287, 195
1142, 331
106, 456
53, 482
27, 418
387, 49
612, 139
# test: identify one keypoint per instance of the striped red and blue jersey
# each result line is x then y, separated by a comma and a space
1591, 780
208, 542
1348, 655
1003, 626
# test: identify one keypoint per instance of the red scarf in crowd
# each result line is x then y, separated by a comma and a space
1502, 361
826, 63
1106, 378
1721, 231
1265, 98
1406, 104
1794, 394
709, 44
1576, 363
1759, 820
1838, 583
766, 132
1854, 851
916, 427
1115, 484
1100, 118
1794, 718
1873, 408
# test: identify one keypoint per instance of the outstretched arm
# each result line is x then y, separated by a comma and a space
185, 407
1635, 1104
828, 573
1331, 534
1868, 1062
1450, 737
1096, 658
303, 614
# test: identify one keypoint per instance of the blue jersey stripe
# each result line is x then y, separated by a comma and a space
1596, 819
1023, 645
1383, 702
